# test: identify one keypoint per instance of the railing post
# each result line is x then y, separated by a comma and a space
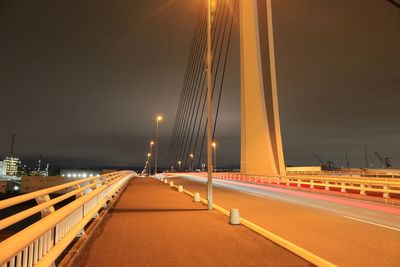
46, 211
326, 185
343, 188
362, 190
386, 193
80, 194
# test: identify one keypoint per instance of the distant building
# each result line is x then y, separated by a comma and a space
12, 166
35, 183
3, 168
79, 174
8, 187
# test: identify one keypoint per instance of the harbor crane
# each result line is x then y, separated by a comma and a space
387, 164
328, 164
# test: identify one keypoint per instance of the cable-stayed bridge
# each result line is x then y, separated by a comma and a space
119, 218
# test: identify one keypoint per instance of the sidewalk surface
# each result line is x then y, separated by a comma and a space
153, 225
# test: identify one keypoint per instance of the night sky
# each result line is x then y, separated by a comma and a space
81, 81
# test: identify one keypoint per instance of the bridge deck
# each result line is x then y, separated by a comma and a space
152, 225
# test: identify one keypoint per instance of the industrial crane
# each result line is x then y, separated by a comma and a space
347, 161
387, 164
328, 164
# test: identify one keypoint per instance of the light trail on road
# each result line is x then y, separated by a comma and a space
346, 232
335, 204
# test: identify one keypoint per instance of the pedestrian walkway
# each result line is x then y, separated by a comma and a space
153, 225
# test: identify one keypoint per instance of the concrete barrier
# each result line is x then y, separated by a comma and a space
234, 217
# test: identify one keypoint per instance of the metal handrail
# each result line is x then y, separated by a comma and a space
36, 242
29, 196
392, 175
362, 185
369, 180
31, 211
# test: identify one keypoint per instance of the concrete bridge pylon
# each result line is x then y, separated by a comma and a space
261, 141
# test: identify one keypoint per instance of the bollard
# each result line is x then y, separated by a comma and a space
171, 184
165, 181
234, 217
161, 179
180, 189
196, 197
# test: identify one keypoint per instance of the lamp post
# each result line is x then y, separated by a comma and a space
151, 152
145, 167
179, 164
158, 119
214, 145
211, 3
191, 162
149, 163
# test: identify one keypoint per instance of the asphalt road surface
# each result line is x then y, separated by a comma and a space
152, 225
343, 231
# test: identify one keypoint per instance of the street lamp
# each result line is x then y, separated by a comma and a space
148, 160
158, 119
214, 145
151, 151
211, 5
191, 162
179, 163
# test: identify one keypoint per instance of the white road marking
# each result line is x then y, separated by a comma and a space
377, 224
256, 195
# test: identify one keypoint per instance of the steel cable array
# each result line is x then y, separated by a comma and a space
190, 125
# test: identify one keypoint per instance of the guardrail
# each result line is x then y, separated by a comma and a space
394, 174
383, 187
42, 242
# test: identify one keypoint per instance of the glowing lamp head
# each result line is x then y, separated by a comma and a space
151, 143
179, 162
149, 154
159, 118
214, 144
191, 155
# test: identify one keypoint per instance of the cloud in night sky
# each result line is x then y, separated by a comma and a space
81, 81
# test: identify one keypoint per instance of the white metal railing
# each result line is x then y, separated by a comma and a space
362, 185
388, 173
41, 243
